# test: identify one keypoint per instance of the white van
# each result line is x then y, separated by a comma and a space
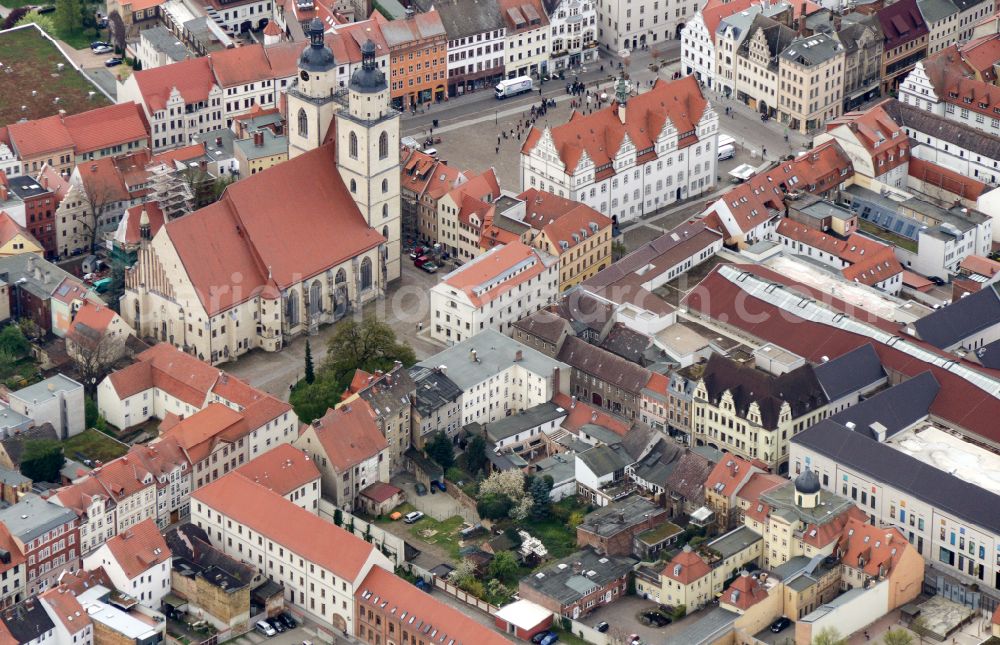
726, 140
727, 152
265, 628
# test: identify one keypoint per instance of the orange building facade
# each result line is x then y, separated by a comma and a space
418, 59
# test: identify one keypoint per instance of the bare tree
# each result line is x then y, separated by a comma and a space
116, 31
97, 194
94, 353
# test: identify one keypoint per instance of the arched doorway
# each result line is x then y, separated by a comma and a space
762, 106
339, 623
677, 32
246, 26
597, 400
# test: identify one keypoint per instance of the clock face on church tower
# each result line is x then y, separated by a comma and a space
304, 75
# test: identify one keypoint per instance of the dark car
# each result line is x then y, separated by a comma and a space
602, 626
98, 43
420, 488
542, 636
441, 486
113, 62
429, 267
422, 585
287, 620
781, 624
277, 624
936, 280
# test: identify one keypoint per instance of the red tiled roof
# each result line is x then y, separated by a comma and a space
946, 179
8, 543
283, 469
957, 401
560, 218
192, 78
294, 221
32, 138
448, 624
67, 609
980, 266
599, 134
686, 567
9, 229
252, 63
715, 10
349, 434
581, 414
201, 432
869, 261
491, 265
306, 535
744, 592
759, 482
94, 316
883, 139
133, 216
53, 181
727, 475
380, 492
139, 548
106, 127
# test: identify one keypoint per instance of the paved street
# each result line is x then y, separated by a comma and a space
405, 305
622, 615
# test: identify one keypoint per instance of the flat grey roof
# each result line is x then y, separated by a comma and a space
619, 516
525, 420
735, 541
47, 389
163, 41
573, 577
495, 353
33, 516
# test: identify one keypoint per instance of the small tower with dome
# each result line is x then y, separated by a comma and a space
368, 153
311, 100
807, 489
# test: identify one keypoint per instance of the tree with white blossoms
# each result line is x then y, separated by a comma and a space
509, 483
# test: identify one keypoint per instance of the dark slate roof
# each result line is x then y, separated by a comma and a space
604, 460
434, 389
854, 371
661, 461
14, 444
953, 323
584, 311
194, 555
989, 355
568, 580
901, 22
604, 365
885, 464
626, 342
813, 50
27, 621
897, 408
688, 478
799, 387
463, 18
509, 426
949, 131
544, 324
389, 393
778, 37
620, 516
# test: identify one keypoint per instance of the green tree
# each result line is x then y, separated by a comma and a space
494, 507
504, 566
440, 449
338, 517
311, 401
42, 459
310, 372
475, 455
90, 411
68, 16
43, 21
13, 342
829, 636
541, 504
897, 637
368, 345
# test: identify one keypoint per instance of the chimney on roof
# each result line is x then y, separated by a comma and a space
518, 356
258, 138
802, 20
218, 140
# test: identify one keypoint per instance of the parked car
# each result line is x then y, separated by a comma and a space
420, 488
113, 62
413, 516
417, 252
421, 261
105, 49
98, 43
422, 585
550, 639
781, 624
441, 486
602, 626
265, 628
274, 622
429, 267
936, 280
287, 620
538, 638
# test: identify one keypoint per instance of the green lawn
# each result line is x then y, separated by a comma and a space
93, 445
888, 236
32, 61
443, 534
557, 537
568, 637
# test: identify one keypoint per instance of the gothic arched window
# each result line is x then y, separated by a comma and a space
303, 123
366, 274
352, 145
385, 186
383, 145
354, 186
385, 211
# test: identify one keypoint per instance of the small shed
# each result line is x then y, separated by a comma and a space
523, 619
